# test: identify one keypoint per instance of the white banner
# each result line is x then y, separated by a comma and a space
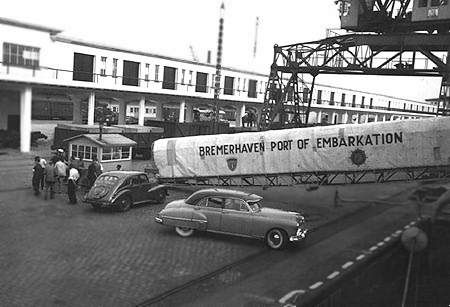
352, 147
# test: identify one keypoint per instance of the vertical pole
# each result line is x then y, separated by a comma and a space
141, 111
218, 69
25, 119
181, 115
91, 108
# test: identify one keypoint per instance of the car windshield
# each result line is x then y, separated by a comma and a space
255, 206
107, 179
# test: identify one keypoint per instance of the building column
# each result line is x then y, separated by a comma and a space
91, 108
392, 117
159, 111
189, 115
122, 112
345, 118
384, 117
376, 118
357, 118
182, 113
333, 118
25, 119
141, 111
240, 112
76, 113
366, 119
319, 116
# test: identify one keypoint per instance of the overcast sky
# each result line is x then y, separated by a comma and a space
169, 27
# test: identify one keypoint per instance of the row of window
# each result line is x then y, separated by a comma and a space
424, 3
364, 103
20, 55
84, 152
83, 70
109, 153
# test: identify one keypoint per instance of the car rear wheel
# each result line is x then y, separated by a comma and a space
184, 231
161, 196
276, 238
124, 203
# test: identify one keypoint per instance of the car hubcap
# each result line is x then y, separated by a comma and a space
275, 238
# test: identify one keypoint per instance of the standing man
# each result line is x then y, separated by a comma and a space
50, 179
61, 171
43, 164
72, 185
38, 175
94, 170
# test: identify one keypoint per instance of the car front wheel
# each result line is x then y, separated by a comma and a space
276, 238
184, 231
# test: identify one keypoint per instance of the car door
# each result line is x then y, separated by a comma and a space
145, 186
236, 217
211, 207
136, 190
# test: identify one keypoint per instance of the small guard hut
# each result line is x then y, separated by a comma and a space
110, 150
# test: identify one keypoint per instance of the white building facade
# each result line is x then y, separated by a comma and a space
38, 64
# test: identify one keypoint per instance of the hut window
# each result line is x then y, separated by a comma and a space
116, 153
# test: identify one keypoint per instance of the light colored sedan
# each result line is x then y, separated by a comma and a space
233, 212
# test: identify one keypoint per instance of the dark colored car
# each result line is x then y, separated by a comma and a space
233, 212
122, 189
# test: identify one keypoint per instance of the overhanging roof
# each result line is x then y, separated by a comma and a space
108, 139
21, 24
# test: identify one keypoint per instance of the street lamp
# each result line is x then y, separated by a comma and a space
218, 69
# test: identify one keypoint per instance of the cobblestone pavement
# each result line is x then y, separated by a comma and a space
55, 254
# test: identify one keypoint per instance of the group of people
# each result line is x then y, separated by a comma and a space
51, 175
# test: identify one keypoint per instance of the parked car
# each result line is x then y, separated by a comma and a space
233, 212
122, 189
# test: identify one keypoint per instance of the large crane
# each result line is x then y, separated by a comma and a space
388, 37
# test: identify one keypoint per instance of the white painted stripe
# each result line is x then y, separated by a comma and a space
290, 295
360, 257
387, 239
316, 285
373, 248
380, 243
347, 265
333, 275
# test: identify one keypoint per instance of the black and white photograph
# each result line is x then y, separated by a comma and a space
253, 153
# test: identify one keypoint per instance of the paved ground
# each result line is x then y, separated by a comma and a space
55, 254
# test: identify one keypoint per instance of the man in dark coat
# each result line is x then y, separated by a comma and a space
38, 175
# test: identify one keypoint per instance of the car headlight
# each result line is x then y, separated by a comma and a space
300, 220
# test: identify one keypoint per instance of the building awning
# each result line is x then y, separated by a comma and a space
108, 140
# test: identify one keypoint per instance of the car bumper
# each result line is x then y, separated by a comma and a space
158, 220
100, 204
300, 235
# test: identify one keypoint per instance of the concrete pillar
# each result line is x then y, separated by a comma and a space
189, 115
91, 108
181, 114
376, 118
357, 118
141, 111
122, 112
366, 119
334, 120
25, 119
159, 111
240, 112
76, 113
345, 118
384, 117
392, 117
319, 116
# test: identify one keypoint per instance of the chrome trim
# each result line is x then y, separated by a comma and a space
158, 220
300, 235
